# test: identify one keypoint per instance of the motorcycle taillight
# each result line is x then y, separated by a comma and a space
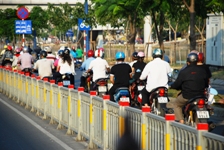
161, 92
201, 103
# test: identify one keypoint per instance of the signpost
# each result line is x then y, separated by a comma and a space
23, 27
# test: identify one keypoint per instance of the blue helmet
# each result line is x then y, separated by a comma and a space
60, 52
120, 55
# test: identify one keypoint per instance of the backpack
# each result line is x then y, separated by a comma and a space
8, 55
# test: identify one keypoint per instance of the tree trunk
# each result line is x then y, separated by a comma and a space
132, 34
161, 25
192, 32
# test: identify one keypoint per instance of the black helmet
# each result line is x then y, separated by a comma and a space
43, 53
135, 55
67, 51
157, 53
192, 58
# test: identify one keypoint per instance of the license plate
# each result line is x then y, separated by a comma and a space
202, 114
162, 99
66, 82
124, 99
140, 88
102, 88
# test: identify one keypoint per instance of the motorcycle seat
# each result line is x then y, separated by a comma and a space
121, 88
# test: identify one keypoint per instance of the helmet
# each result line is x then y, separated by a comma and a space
9, 47
60, 52
120, 55
25, 49
135, 55
66, 51
141, 54
201, 57
192, 58
18, 50
48, 49
157, 53
101, 48
5, 46
90, 53
98, 53
43, 53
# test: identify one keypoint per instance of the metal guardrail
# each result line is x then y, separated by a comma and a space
101, 121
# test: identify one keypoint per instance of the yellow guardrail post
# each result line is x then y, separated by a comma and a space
79, 137
51, 101
33, 97
201, 127
27, 91
122, 114
1, 78
69, 131
46, 105
168, 142
37, 96
105, 121
144, 134
91, 134
60, 84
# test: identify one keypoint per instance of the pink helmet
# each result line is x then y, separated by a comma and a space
102, 49
18, 50
141, 54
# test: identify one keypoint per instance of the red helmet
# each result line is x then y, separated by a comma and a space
90, 53
9, 47
201, 57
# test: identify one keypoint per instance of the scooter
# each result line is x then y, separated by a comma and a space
135, 90
66, 79
78, 63
158, 99
101, 86
122, 94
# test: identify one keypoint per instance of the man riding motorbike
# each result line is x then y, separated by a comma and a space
7, 56
192, 82
99, 67
25, 60
134, 58
156, 73
43, 65
85, 67
120, 74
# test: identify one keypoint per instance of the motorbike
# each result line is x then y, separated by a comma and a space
197, 110
78, 63
173, 75
66, 79
122, 94
28, 71
158, 99
136, 88
88, 77
101, 86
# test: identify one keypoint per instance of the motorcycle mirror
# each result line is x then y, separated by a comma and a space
213, 91
170, 74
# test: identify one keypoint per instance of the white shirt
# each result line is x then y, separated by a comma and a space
156, 73
99, 67
65, 68
44, 67
132, 63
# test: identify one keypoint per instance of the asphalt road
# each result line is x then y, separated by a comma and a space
22, 130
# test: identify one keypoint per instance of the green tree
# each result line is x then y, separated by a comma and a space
39, 19
121, 13
7, 25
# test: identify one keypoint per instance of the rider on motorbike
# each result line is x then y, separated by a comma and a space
25, 60
156, 73
65, 65
138, 67
120, 74
85, 66
192, 82
99, 67
16, 57
7, 56
134, 58
43, 65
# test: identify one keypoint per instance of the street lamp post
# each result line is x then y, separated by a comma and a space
86, 32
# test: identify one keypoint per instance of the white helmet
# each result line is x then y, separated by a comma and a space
98, 53
25, 49
47, 49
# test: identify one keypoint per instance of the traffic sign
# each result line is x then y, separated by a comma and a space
23, 26
22, 13
82, 25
